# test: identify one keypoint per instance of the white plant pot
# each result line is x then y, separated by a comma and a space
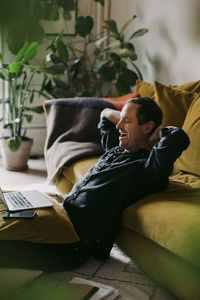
16, 161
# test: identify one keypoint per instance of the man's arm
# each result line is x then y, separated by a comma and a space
173, 141
155, 137
111, 114
107, 127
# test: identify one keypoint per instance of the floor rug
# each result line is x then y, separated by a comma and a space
119, 271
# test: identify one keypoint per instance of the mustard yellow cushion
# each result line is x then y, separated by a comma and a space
146, 89
189, 161
51, 225
189, 179
174, 103
71, 174
193, 86
170, 218
63, 185
78, 169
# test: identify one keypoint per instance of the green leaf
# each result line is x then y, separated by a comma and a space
138, 33
102, 63
63, 52
8, 126
2, 76
31, 51
1, 119
105, 89
56, 69
48, 86
100, 1
1, 57
31, 98
108, 73
59, 93
16, 67
84, 25
24, 133
32, 68
101, 40
110, 25
28, 118
36, 33
45, 78
130, 47
115, 57
127, 23
60, 83
69, 5
16, 38
129, 76
108, 48
54, 58
54, 11
57, 39
122, 85
21, 52
123, 64
126, 53
74, 69
14, 143
36, 109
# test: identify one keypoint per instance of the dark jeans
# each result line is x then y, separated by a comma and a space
47, 257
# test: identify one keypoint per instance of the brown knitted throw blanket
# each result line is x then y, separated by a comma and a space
72, 131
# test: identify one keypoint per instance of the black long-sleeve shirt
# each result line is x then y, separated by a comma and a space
119, 179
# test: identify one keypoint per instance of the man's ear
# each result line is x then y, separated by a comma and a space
148, 126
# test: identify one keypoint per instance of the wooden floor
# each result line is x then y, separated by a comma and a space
36, 173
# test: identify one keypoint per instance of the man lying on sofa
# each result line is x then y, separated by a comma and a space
138, 160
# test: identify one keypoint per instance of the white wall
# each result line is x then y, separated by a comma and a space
170, 52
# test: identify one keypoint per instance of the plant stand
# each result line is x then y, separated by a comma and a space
16, 161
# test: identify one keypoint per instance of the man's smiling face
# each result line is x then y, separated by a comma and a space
132, 135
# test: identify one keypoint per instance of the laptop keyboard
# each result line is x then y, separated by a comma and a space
18, 200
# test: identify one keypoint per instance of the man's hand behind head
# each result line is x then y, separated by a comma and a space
155, 137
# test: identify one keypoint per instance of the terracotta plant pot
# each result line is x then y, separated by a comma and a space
16, 161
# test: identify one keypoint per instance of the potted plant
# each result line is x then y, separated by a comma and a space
17, 107
110, 70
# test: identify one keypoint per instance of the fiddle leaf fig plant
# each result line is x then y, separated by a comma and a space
121, 55
110, 70
17, 106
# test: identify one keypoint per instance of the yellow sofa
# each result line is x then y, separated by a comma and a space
47, 242
162, 231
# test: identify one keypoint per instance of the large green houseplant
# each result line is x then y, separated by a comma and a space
88, 65
22, 32
109, 71
18, 107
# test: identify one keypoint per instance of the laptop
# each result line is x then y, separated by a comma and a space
16, 201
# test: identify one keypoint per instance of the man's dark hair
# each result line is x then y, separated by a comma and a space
148, 110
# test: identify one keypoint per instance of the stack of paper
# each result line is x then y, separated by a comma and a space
102, 291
